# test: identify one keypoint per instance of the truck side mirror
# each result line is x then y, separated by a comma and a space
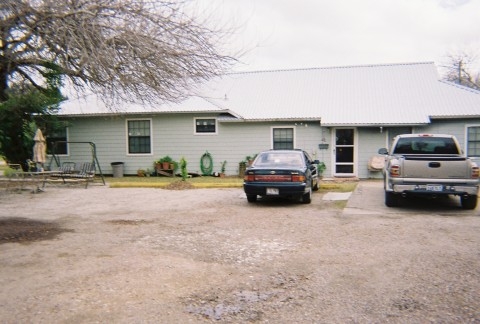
383, 151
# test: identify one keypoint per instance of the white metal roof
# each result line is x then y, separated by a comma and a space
354, 95
91, 105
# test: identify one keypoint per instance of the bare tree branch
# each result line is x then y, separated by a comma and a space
147, 50
459, 70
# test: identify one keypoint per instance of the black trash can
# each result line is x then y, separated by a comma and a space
117, 169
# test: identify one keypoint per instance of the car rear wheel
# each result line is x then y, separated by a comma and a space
469, 202
251, 198
307, 197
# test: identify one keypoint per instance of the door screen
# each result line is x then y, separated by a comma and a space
344, 151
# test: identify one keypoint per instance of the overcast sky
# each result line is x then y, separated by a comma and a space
282, 34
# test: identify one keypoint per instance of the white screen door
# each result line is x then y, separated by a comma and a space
344, 151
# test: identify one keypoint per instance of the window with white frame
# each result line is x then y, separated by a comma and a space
139, 136
473, 141
205, 126
283, 138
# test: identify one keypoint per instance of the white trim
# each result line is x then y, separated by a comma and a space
287, 126
67, 131
465, 144
204, 134
127, 136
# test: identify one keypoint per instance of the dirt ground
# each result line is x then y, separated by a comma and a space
74, 255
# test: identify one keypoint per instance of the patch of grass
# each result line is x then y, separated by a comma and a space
340, 204
209, 182
3, 165
337, 186
163, 182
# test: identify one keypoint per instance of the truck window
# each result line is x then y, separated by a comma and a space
426, 145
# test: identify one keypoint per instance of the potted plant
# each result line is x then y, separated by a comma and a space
222, 169
250, 159
242, 165
141, 172
173, 165
320, 168
164, 163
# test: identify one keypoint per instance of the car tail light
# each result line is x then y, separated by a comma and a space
475, 172
395, 171
298, 178
249, 177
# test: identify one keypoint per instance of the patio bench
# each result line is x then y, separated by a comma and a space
64, 169
69, 171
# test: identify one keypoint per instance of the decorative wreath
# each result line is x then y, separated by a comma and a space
206, 164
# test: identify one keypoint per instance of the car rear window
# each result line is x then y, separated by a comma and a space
275, 159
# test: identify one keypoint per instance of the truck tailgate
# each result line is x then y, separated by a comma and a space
435, 167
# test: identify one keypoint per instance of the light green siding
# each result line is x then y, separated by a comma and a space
370, 139
174, 135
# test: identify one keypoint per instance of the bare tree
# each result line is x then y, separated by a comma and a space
148, 50
459, 70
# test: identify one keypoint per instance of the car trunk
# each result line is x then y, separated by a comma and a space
277, 175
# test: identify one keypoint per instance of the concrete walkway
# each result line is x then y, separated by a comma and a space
368, 197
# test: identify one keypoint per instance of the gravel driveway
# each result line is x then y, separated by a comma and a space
207, 255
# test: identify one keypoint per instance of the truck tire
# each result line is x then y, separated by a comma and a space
469, 202
391, 199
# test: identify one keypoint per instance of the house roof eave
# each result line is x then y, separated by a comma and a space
139, 113
262, 120
374, 124
455, 116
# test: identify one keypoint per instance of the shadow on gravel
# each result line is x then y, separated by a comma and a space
24, 230
442, 203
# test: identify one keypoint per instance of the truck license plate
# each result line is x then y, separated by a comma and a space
272, 191
434, 187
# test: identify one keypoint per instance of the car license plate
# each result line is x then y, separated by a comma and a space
434, 187
272, 191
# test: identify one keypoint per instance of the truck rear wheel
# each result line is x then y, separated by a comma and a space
391, 199
469, 202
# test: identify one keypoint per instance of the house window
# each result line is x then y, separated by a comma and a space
57, 141
283, 138
205, 126
139, 137
473, 141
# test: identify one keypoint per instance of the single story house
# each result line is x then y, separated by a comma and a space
340, 115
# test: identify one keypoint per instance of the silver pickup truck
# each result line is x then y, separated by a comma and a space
429, 165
